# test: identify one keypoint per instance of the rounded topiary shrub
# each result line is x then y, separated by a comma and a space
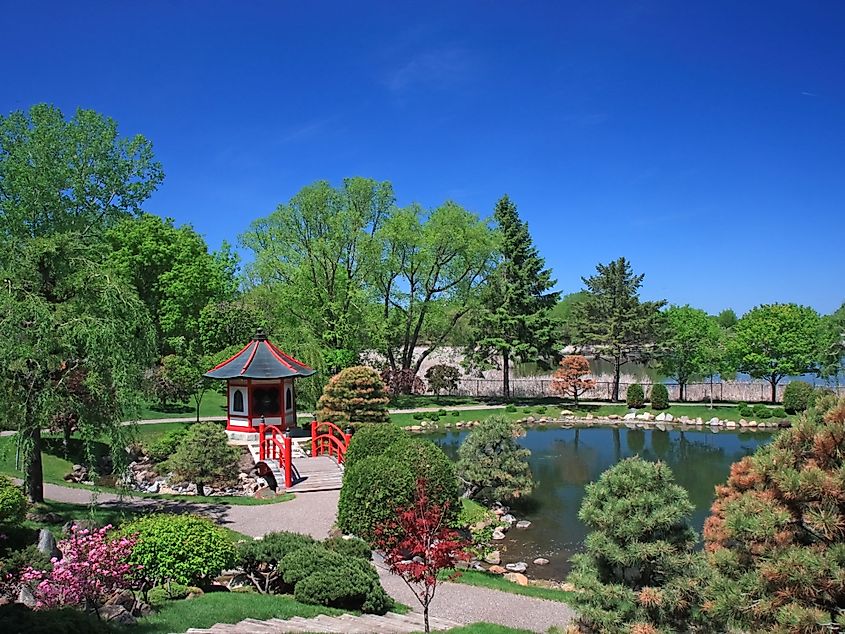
375, 487
659, 396
12, 503
184, 549
350, 547
260, 558
354, 395
635, 396
371, 440
797, 396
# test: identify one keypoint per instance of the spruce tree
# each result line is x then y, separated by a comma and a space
515, 322
613, 320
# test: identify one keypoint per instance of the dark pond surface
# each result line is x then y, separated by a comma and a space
563, 461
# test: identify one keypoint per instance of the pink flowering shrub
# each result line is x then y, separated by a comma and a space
93, 566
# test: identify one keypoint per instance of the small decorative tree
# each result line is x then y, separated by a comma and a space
354, 395
776, 535
443, 377
204, 456
490, 458
12, 503
418, 545
93, 565
659, 396
569, 377
639, 572
635, 396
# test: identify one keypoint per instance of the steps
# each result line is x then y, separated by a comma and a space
390, 623
309, 474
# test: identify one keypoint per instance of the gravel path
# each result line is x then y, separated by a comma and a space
314, 514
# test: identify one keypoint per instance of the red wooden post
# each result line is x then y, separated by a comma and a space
313, 438
262, 452
288, 478
346, 438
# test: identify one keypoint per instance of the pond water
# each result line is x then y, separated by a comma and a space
564, 460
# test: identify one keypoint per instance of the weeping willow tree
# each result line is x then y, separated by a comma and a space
74, 337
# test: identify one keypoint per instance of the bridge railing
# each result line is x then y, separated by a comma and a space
327, 439
276, 447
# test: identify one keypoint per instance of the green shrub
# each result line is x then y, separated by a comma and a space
761, 411
373, 488
165, 446
16, 617
526, 410
635, 397
778, 412
442, 377
260, 558
745, 411
15, 560
454, 413
204, 457
418, 416
160, 595
371, 440
659, 396
540, 409
352, 547
491, 459
184, 549
13, 504
797, 396
510, 408
354, 395
434, 418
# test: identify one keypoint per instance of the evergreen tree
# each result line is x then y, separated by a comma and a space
515, 321
204, 457
354, 395
613, 320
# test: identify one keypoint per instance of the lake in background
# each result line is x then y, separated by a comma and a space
563, 461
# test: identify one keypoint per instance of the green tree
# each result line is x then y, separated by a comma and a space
225, 324
692, 339
442, 377
833, 345
490, 458
773, 341
174, 273
354, 395
564, 314
314, 255
614, 321
514, 323
639, 571
204, 456
727, 318
63, 183
428, 279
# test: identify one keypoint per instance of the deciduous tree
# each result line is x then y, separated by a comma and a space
442, 377
569, 379
692, 341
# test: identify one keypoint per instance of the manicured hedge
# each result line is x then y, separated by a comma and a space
659, 396
797, 396
353, 547
371, 440
635, 397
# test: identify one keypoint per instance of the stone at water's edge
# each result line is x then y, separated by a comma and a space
519, 566
498, 534
523, 524
517, 578
494, 557
541, 561
496, 570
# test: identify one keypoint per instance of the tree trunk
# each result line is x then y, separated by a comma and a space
200, 488
33, 469
617, 373
681, 387
66, 431
774, 383
506, 382
425, 618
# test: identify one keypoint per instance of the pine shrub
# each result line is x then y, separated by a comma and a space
260, 558
797, 396
13, 503
350, 547
639, 571
776, 535
353, 396
371, 440
204, 456
165, 446
635, 396
659, 396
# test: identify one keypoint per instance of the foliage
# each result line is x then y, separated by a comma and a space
185, 549
514, 323
173, 380
776, 535
430, 267
797, 396
224, 324
323, 577
659, 396
727, 318
832, 361
371, 440
350, 547
174, 273
93, 566
63, 183
691, 345
639, 568
569, 377
564, 314
354, 395
418, 544
16, 617
490, 458
442, 378
402, 381
12, 503
635, 396
614, 320
260, 558
375, 486
773, 341
165, 445
204, 456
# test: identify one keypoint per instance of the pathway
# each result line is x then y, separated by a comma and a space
314, 514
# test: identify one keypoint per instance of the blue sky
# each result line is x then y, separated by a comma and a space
705, 141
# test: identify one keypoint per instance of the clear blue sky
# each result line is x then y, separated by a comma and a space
703, 140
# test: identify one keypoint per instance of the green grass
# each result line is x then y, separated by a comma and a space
497, 582
213, 404
224, 607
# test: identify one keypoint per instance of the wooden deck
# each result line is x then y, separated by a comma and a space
316, 474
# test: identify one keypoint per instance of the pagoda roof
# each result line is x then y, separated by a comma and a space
260, 359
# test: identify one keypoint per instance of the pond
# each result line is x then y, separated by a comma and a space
564, 460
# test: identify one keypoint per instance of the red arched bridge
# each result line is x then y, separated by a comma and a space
301, 465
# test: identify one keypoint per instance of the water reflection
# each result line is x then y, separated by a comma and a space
563, 461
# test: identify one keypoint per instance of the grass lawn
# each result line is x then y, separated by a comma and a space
213, 404
224, 607
497, 582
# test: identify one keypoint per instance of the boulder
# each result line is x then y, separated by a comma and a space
498, 534
494, 557
26, 597
523, 524
589, 417
47, 544
517, 578
730, 424
123, 598
541, 561
661, 417
519, 566
496, 570
684, 419
530, 420
669, 418
630, 416
116, 614
509, 519
648, 416
714, 421
613, 417
566, 412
